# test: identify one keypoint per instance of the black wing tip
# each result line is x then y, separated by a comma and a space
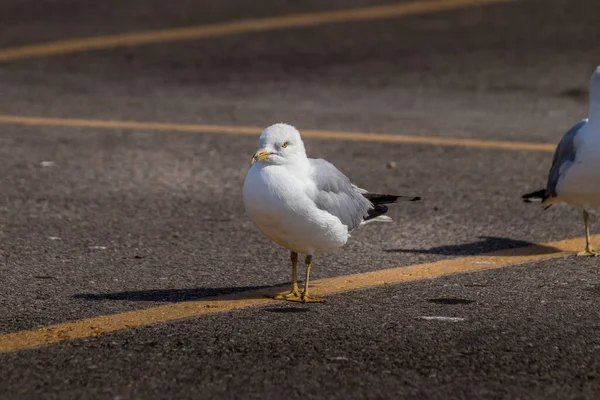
376, 211
404, 198
377, 198
538, 195
379, 202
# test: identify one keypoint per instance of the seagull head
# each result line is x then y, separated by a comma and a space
279, 144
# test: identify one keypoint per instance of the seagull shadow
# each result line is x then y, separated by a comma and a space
179, 295
450, 301
486, 244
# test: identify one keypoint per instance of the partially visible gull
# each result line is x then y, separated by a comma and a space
574, 176
306, 205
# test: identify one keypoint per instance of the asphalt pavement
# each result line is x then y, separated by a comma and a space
103, 221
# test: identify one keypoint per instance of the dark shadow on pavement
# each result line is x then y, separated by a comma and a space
486, 244
179, 295
450, 300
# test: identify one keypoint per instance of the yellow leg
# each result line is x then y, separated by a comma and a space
305, 298
294, 295
589, 251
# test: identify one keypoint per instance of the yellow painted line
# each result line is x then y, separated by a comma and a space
254, 131
110, 323
237, 27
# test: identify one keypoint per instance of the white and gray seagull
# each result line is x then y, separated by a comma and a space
305, 205
574, 176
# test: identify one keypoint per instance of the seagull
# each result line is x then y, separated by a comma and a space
574, 176
303, 204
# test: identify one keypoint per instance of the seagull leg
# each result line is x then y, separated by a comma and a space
305, 298
294, 295
588, 252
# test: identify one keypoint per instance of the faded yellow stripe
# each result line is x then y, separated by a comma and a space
254, 131
237, 27
172, 312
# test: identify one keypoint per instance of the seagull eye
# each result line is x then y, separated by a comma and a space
285, 145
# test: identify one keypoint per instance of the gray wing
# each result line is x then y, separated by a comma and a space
337, 195
564, 155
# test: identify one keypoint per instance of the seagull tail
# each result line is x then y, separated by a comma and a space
381, 218
377, 198
375, 214
379, 201
539, 196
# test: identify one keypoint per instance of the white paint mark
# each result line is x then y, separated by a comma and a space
446, 319
97, 247
341, 358
47, 164
54, 238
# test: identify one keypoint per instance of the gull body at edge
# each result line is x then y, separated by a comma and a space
574, 177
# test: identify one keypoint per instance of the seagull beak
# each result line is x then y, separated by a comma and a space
260, 155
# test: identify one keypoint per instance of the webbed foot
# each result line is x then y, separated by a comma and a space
294, 295
307, 299
589, 253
